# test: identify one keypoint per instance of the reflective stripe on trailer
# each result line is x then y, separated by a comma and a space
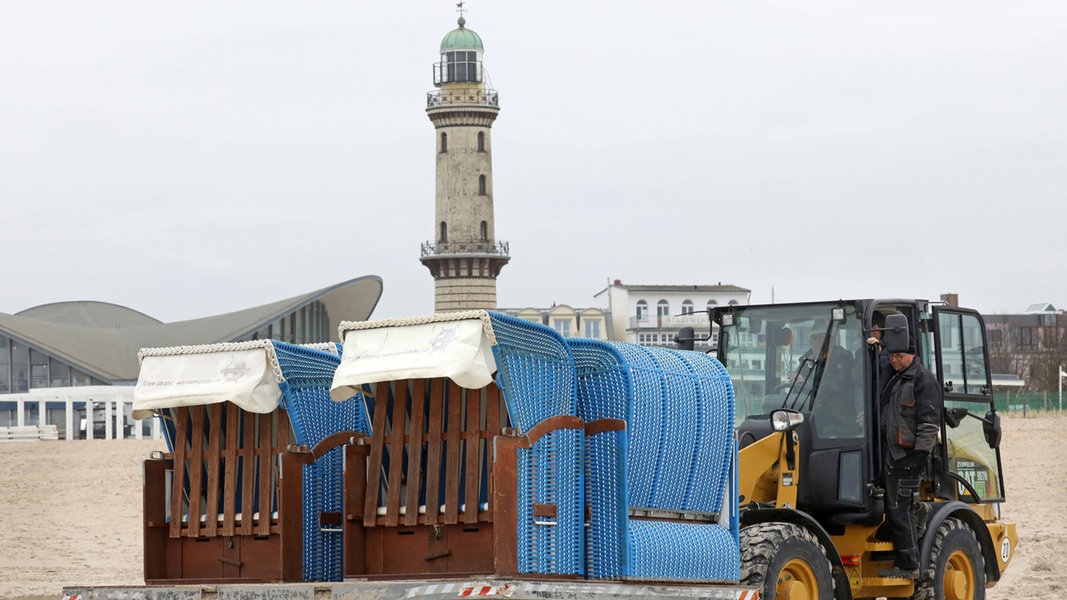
486, 590
465, 589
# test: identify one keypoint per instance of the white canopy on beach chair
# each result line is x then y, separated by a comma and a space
245, 373
454, 345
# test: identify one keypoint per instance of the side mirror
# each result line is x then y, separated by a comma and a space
954, 416
785, 337
895, 333
686, 338
991, 429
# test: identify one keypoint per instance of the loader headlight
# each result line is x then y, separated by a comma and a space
785, 420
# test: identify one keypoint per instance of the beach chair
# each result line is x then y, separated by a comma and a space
252, 486
464, 473
661, 492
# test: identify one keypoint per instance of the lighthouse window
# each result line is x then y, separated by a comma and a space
444, 142
481, 185
485, 230
444, 232
461, 66
481, 141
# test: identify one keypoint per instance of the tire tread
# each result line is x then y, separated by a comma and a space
759, 546
926, 585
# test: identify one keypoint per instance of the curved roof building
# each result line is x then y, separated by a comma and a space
95, 343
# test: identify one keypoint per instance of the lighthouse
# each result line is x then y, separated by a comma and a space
464, 255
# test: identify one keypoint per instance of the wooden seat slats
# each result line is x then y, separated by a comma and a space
426, 478
432, 453
220, 480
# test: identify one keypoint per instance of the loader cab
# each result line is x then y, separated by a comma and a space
814, 358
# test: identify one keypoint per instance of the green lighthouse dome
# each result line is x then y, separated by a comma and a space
461, 39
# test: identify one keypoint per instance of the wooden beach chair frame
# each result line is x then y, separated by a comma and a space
252, 497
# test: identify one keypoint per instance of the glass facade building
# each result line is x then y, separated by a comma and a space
23, 366
306, 325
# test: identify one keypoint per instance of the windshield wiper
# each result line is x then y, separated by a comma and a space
803, 379
816, 366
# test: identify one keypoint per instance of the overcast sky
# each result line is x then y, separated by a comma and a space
192, 158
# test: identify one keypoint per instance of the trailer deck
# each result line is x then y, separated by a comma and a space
489, 587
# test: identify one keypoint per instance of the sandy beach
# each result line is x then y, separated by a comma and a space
70, 512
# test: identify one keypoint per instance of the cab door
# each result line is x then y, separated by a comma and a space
969, 464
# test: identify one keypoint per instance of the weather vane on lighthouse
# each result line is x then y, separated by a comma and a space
460, 8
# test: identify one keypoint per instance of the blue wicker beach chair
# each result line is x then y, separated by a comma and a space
442, 423
660, 493
232, 414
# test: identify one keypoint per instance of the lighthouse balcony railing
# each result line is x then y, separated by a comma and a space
476, 97
494, 247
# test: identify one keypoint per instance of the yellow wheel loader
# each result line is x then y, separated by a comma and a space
807, 379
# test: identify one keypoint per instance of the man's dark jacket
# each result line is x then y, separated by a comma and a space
911, 411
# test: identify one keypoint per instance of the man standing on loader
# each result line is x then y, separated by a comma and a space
910, 408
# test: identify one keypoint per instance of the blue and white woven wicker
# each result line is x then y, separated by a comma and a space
677, 454
535, 374
605, 383
308, 373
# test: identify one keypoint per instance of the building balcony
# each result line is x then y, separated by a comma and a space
490, 247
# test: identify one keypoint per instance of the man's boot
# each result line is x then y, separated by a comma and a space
906, 565
896, 572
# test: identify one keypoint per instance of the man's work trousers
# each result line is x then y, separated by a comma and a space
902, 490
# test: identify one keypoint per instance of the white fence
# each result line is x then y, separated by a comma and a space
29, 434
88, 412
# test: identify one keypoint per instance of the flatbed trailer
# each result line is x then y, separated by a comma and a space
487, 587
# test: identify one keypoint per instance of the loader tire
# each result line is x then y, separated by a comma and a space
956, 570
786, 562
